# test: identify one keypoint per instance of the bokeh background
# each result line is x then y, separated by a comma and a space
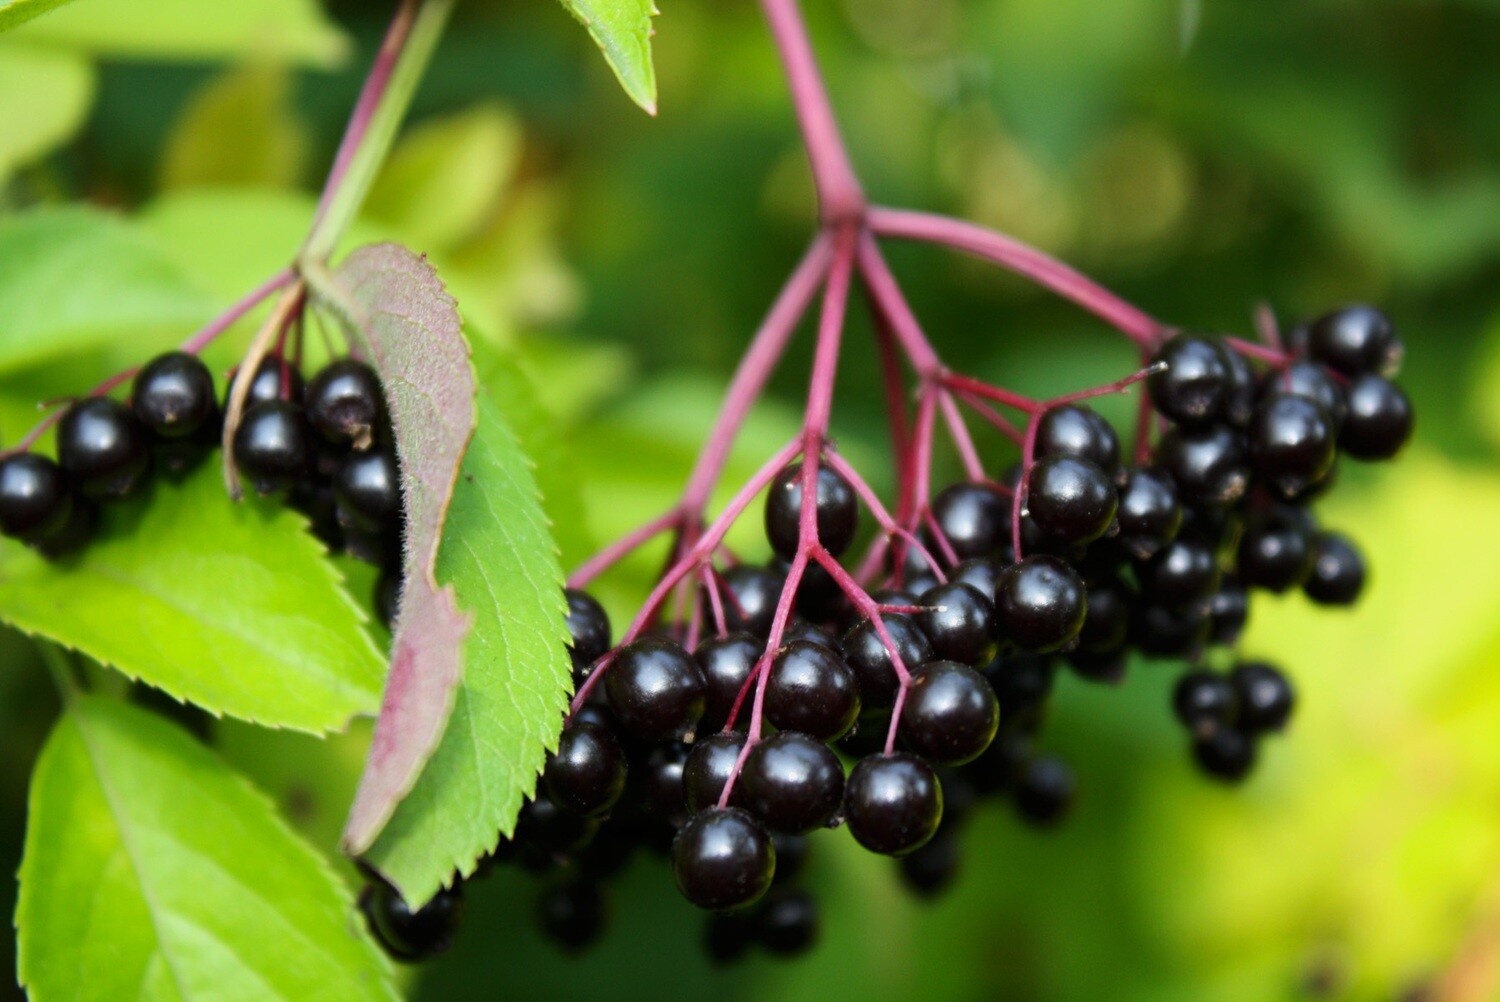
1199, 159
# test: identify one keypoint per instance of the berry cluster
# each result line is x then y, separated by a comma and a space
324, 445
790, 700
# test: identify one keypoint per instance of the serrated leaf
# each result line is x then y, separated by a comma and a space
45, 95
232, 607
72, 279
499, 557
191, 30
16, 12
400, 318
153, 871
622, 29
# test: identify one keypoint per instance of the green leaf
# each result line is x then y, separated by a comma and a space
499, 557
190, 30
622, 29
232, 607
73, 278
14, 12
238, 131
45, 95
153, 871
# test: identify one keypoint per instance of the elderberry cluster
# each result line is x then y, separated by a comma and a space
1157, 557
324, 446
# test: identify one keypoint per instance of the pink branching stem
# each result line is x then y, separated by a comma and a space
1023, 486
896, 709
715, 598
1267, 326
895, 405
994, 417
755, 368
369, 100
1002, 396
619, 550
839, 194
973, 466
193, 345
882, 517
1024, 260
939, 536
1143, 416
698, 552
1271, 356
1118, 386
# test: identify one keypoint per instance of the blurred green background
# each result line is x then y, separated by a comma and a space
1198, 160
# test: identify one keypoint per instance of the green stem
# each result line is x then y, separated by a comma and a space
407, 49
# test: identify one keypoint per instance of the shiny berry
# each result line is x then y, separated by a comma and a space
1183, 573
837, 511
1080, 432
811, 689
726, 662
1149, 513
1170, 630
659, 783
271, 446
1045, 788
974, 518
367, 487
1107, 620
1070, 499
1265, 695
750, 598
549, 829
275, 379
1228, 611
588, 626
1239, 404
345, 403
1292, 442
723, 859
1311, 380
173, 395
980, 574
572, 914
1379, 420
959, 623
1203, 699
1040, 604
870, 660
951, 714
792, 782
1354, 340
34, 498
708, 768
1194, 387
787, 922
655, 689
1208, 465
1338, 570
1225, 753
587, 773
408, 934
102, 448
892, 803
1275, 553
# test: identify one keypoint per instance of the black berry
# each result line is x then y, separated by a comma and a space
1265, 696
959, 623
1194, 387
708, 768
1225, 753
1040, 604
837, 511
34, 499
407, 934
870, 660
103, 448
1291, 442
1203, 699
1183, 573
1045, 788
1355, 339
951, 714
811, 690
893, 803
792, 782
588, 626
587, 773
655, 689
271, 447
750, 601
974, 518
1070, 499
1275, 553
1079, 432
572, 914
1379, 420
368, 490
345, 404
1338, 570
275, 379
723, 859
1208, 465
173, 395
787, 923
726, 662
1149, 513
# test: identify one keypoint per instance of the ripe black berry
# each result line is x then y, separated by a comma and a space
1194, 388
587, 774
837, 511
1107, 620
173, 395
726, 662
1070, 499
752, 594
1203, 699
572, 914
1183, 573
792, 782
655, 689
723, 859
951, 714
1311, 380
1208, 465
973, 517
811, 690
659, 783
412, 935
1379, 420
103, 448
810, 633
345, 403
787, 923
1239, 404
271, 447
1265, 695
588, 626
979, 573
1225, 753
893, 803
871, 663
1040, 604
929, 871
550, 830
368, 490
275, 379
1338, 570
1275, 553
1079, 432
1228, 612
708, 768
1355, 340
1045, 788
1149, 513
959, 623
34, 497
1291, 442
